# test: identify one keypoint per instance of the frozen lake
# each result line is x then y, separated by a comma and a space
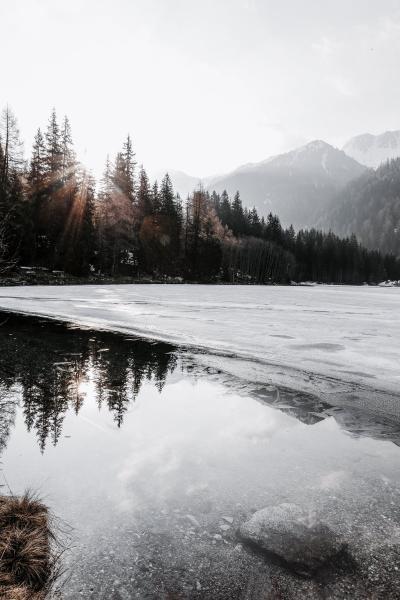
154, 454
347, 334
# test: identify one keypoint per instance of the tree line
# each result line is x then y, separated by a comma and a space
55, 216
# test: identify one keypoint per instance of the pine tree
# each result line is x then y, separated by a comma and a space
144, 199
80, 246
216, 201
12, 147
14, 213
255, 224
106, 184
130, 166
118, 221
103, 217
155, 198
202, 244
171, 224
68, 159
37, 195
118, 175
61, 189
54, 156
167, 204
225, 211
37, 165
273, 230
238, 221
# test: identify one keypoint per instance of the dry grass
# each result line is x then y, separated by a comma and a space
27, 563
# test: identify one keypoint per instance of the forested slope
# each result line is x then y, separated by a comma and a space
369, 207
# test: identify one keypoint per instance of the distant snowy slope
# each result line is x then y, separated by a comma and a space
373, 150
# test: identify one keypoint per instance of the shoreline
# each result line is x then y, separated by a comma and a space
48, 279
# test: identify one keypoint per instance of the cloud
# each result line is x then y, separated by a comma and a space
325, 47
342, 86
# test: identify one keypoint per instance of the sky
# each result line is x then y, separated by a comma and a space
202, 86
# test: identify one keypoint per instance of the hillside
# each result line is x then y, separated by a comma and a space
370, 208
297, 185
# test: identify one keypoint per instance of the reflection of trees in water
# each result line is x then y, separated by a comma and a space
8, 405
8, 393
120, 372
49, 362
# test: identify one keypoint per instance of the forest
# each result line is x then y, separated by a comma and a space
54, 216
370, 207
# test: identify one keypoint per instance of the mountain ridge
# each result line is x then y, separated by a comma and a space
373, 150
296, 185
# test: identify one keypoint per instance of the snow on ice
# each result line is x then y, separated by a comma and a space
350, 334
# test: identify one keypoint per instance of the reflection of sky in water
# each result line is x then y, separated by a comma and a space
196, 445
197, 448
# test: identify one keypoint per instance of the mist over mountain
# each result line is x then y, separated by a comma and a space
370, 208
373, 150
297, 186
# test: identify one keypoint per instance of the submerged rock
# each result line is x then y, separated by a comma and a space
288, 532
228, 519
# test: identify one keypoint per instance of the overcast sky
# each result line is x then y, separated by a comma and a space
202, 85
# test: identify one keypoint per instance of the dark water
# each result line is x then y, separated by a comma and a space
153, 462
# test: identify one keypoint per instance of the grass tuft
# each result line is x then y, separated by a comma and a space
27, 561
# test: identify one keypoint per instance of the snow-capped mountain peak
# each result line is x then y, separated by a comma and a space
316, 156
373, 150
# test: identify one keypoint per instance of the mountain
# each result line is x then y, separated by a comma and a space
373, 150
370, 208
297, 185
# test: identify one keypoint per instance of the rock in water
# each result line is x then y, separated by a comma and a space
287, 532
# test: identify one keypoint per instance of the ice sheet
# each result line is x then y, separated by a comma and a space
348, 334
